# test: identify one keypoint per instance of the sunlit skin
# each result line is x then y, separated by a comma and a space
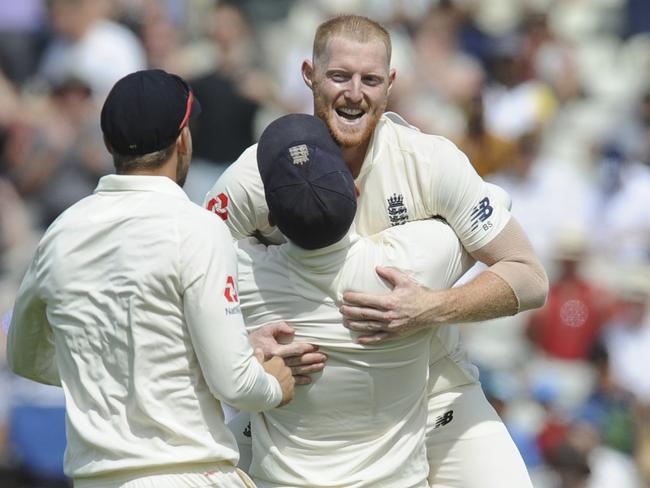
351, 83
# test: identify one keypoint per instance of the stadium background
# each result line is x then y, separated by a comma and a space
549, 98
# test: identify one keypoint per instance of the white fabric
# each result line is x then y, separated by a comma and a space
468, 446
217, 475
359, 424
125, 305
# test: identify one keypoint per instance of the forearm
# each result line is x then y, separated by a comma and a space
511, 257
485, 297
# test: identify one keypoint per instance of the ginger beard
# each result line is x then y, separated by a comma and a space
347, 135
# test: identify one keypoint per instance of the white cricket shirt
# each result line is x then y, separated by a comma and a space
130, 304
360, 423
407, 175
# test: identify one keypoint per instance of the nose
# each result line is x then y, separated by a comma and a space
354, 94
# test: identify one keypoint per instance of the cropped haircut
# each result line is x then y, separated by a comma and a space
354, 27
127, 163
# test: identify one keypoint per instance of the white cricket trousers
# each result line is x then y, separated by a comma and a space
468, 446
215, 475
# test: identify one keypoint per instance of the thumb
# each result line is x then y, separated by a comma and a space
284, 328
392, 275
259, 355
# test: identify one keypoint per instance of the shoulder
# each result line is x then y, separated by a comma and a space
197, 222
241, 174
396, 132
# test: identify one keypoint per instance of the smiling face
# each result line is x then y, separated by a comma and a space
350, 81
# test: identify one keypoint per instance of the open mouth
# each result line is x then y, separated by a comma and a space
350, 114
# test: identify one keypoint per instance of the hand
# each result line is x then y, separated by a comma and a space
276, 367
400, 312
276, 339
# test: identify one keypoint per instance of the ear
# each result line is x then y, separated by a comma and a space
183, 142
308, 73
391, 78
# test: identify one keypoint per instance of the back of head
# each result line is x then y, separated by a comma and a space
309, 189
354, 27
143, 115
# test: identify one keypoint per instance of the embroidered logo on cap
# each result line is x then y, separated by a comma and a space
299, 154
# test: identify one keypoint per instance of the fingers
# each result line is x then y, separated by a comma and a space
393, 275
373, 338
281, 327
351, 312
365, 326
308, 369
365, 300
259, 355
294, 349
302, 379
305, 359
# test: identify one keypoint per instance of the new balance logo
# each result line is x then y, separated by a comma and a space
397, 212
299, 154
480, 213
444, 419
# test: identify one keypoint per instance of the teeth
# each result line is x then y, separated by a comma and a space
351, 111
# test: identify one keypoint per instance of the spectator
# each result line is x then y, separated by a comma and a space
575, 312
89, 46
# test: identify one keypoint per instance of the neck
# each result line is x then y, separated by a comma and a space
354, 156
168, 169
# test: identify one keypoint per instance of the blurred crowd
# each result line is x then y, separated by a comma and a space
550, 99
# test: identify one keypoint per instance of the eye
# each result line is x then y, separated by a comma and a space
339, 77
372, 80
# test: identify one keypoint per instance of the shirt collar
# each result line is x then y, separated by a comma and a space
161, 184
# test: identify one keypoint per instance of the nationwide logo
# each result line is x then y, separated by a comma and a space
231, 291
480, 213
299, 154
219, 205
397, 212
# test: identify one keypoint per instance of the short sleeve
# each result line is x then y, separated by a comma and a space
464, 199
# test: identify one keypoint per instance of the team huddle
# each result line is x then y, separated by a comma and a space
349, 230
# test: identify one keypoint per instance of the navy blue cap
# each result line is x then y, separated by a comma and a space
309, 189
146, 110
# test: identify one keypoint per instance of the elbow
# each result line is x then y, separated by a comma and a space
249, 391
538, 286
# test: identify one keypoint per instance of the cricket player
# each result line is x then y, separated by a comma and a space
130, 305
361, 422
405, 175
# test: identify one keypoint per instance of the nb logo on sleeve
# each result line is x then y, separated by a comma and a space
480, 213
444, 419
